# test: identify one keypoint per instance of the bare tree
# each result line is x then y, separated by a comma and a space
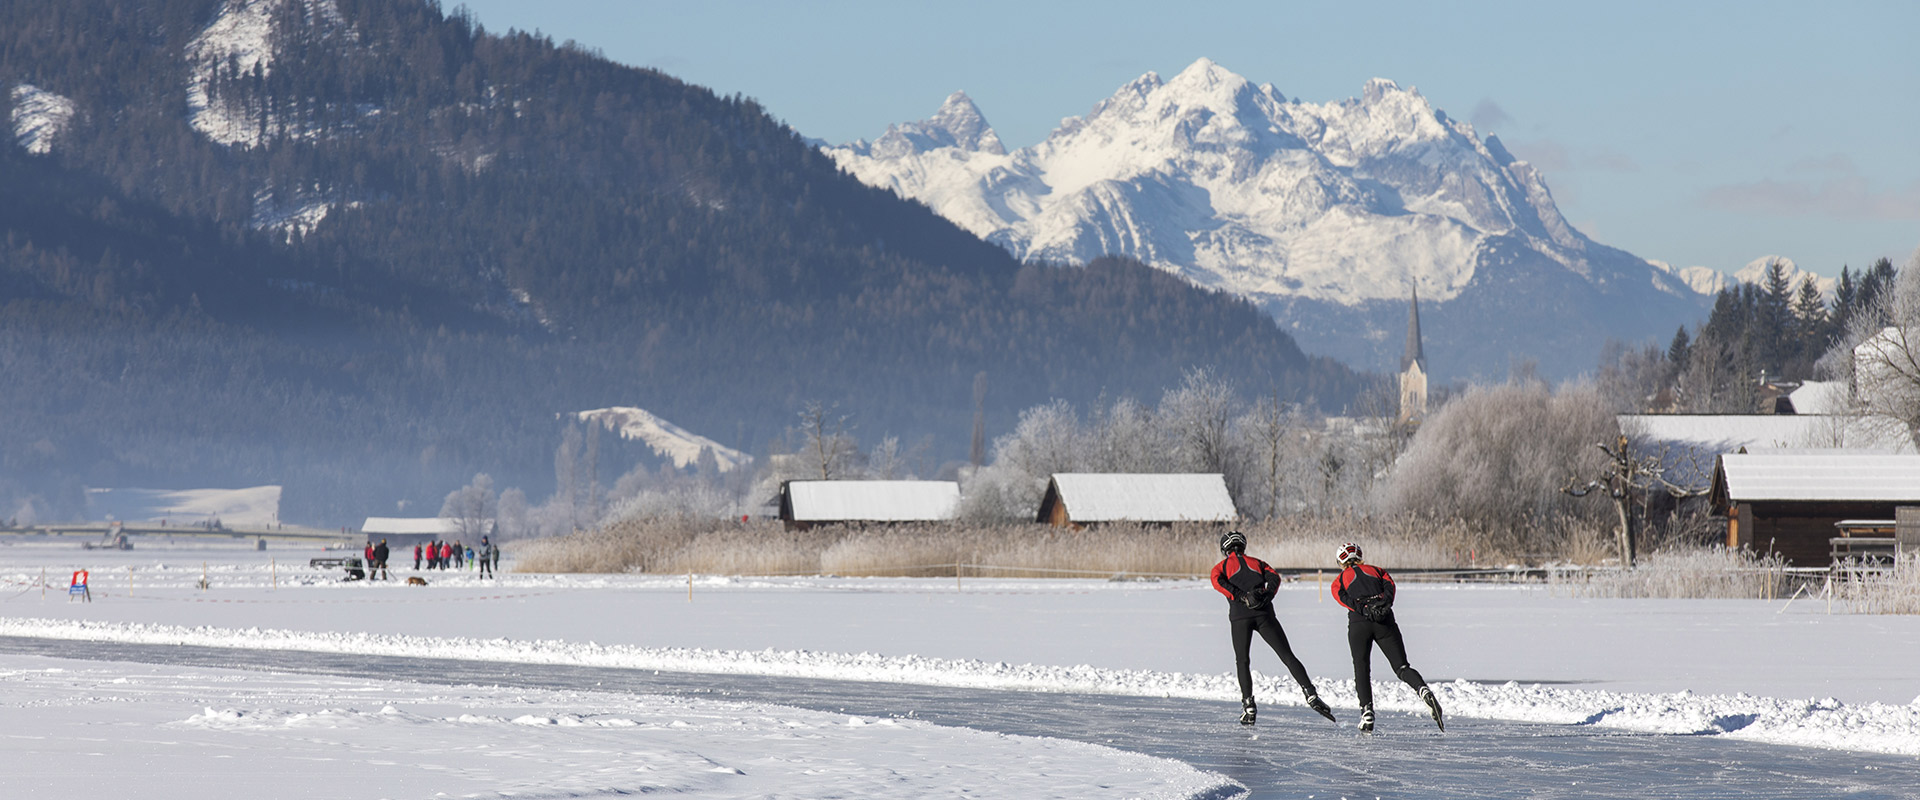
1199, 414
471, 508
886, 462
1629, 476
1879, 357
512, 519
977, 452
1267, 428
1128, 437
830, 448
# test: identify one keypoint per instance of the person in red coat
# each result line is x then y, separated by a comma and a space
1250, 585
1367, 592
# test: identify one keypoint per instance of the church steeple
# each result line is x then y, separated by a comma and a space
1414, 354
1413, 369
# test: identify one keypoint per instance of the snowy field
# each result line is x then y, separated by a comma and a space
1756, 671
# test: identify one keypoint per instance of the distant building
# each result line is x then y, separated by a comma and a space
1076, 500
402, 532
1413, 368
1703, 436
805, 504
1792, 502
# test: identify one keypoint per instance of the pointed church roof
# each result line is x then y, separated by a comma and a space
1414, 354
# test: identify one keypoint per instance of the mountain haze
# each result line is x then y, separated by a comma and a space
365, 249
1329, 216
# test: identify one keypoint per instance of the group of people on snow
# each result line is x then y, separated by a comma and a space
441, 555
1366, 591
444, 555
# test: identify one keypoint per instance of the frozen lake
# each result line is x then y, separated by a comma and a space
1291, 754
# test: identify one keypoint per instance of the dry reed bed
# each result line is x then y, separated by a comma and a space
1885, 591
681, 545
1712, 573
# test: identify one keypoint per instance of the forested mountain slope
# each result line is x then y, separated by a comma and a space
364, 248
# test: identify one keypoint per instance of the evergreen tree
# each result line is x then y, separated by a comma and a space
1680, 349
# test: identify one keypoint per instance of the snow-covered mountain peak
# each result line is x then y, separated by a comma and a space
967, 128
1710, 281
1206, 77
1236, 187
957, 126
1377, 89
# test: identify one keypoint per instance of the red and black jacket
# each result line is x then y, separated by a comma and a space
1240, 574
1359, 582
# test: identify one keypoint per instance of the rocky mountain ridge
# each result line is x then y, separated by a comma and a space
1324, 214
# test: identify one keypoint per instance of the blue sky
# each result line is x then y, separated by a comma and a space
1697, 133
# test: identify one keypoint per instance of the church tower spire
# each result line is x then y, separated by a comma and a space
1414, 354
1413, 368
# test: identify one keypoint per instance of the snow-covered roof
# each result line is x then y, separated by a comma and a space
1726, 433
873, 501
1863, 477
1820, 397
409, 525
1109, 497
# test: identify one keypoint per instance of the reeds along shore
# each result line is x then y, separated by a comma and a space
681, 545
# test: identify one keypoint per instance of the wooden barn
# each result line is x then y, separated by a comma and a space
1792, 501
405, 532
804, 504
1077, 500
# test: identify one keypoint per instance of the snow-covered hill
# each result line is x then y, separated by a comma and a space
668, 440
1329, 215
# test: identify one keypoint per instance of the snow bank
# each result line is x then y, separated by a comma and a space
1871, 727
169, 729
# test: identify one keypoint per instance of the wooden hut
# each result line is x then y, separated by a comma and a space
1077, 500
405, 532
804, 504
1791, 502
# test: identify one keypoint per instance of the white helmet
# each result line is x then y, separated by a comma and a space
1349, 553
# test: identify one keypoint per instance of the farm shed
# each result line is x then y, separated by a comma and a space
405, 532
804, 504
1790, 502
1080, 499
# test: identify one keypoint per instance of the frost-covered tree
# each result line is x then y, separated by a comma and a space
829, 450
1129, 437
471, 508
512, 520
1879, 356
1628, 477
1199, 416
1500, 455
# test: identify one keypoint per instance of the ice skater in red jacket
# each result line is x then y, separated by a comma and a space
1250, 585
1367, 592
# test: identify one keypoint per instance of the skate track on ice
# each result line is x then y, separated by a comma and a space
1292, 753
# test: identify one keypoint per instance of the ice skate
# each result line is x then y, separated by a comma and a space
1433, 704
1247, 712
1366, 719
1320, 706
